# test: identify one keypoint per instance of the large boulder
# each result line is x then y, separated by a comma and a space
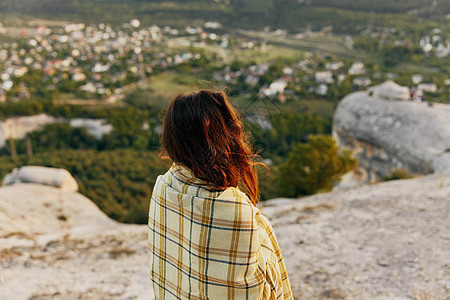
59, 178
386, 134
37, 209
390, 91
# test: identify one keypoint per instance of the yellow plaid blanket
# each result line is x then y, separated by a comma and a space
211, 244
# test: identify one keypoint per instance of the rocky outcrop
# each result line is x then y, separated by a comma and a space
19, 127
383, 241
380, 241
386, 134
390, 90
34, 209
41, 175
56, 244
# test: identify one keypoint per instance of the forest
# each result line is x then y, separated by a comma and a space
118, 171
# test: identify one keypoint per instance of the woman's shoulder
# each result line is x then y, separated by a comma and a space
236, 204
235, 194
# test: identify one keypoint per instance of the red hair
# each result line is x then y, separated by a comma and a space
202, 131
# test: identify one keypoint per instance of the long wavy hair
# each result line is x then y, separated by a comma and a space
202, 131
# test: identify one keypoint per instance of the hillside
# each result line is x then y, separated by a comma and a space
252, 14
382, 241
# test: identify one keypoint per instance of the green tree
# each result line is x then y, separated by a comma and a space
314, 166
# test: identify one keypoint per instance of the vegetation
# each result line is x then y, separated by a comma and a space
398, 173
288, 130
314, 166
119, 181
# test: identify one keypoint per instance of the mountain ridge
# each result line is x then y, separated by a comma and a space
254, 14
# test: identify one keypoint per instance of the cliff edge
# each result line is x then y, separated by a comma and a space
382, 241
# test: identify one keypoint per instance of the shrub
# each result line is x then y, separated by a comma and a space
397, 173
314, 166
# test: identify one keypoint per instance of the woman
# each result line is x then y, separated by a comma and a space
207, 239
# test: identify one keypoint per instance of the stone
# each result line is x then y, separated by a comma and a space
358, 248
42, 175
390, 90
386, 134
19, 127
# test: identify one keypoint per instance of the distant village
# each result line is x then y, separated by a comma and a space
101, 62
95, 61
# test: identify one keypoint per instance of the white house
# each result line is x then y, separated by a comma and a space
324, 77
427, 87
357, 68
322, 89
362, 81
334, 65
416, 78
278, 86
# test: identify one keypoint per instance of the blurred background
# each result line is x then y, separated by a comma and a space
84, 83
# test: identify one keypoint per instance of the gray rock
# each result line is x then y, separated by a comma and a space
390, 91
381, 241
19, 127
41, 175
386, 134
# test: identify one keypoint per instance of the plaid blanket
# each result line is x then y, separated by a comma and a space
207, 244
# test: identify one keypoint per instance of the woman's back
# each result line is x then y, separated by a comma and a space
211, 244
207, 239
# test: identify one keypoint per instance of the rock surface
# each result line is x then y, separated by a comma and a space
389, 90
57, 244
389, 240
386, 134
42, 175
382, 241
19, 127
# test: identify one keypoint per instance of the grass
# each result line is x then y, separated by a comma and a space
320, 107
326, 43
418, 68
62, 217
294, 46
269, 55
319, 206
168, 84
323, 108
398, 173
120, 251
